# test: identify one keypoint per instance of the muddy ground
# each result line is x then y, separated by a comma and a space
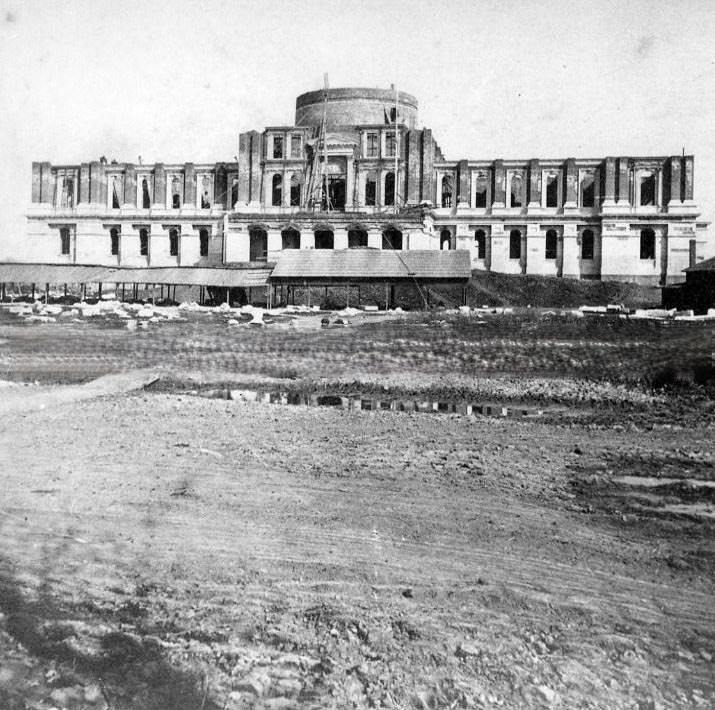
162, 550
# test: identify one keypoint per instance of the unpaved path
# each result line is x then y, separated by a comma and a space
295, 557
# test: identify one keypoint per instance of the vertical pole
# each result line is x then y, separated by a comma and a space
65, 290
227, 299
33, 292
392, 294
397, 153
47, 293
100, 290
122, 291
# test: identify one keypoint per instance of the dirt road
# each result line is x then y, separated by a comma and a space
168, 551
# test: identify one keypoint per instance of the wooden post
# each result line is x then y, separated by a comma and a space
100, 290
33, 292
47, 293
227, 298
392, 294
65, 290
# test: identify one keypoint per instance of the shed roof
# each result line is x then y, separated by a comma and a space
366, 264
235, 276
707, 265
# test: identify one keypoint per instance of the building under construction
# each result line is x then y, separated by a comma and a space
357, 172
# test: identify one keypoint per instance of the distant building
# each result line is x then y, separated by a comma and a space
356, 171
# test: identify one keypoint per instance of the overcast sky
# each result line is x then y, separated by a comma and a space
177, 81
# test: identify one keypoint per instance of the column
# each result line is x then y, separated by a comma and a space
609, 196
534, 249
349, 184
159, 199
570, 258
623, 182
374, 238
499, 191
36, 182
413, 167
427, 186
96, 180
285, 192
255, 185
189, 201
464, 185
47, 193
379, 188
571, 180
83, 196
307, 239
130, 187
534, 185
674, 178
275, 243
340, 238
689, 178
244, 168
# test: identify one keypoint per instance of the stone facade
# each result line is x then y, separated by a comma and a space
622, 218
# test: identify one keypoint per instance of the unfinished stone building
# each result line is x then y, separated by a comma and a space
356, 170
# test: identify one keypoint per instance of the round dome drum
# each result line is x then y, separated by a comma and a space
355, 107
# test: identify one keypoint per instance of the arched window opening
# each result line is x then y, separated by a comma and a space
552, 191
64, 240
357, 238
447, 191
173, 242
588, 191
390, 189
551, 244
176, 194
114, 241
445, 239
146, 198
392, 238
480, 239
648, 190
324, 239
480, 192
67, 195
647, 244
277, 190
205, 196
515, 244
203, 242
290, 238
295, 190
115, 194
143, 242
277, 147
587, 244
371, 190
258, 244
517, 191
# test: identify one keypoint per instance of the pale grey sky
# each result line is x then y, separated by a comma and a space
177, 81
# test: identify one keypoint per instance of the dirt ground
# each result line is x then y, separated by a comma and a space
162, 550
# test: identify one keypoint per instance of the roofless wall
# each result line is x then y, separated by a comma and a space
351, 106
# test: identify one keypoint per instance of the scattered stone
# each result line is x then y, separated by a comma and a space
547, 693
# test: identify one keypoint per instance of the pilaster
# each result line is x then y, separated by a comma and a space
570, 261
499, 189
83, 184
159, 199
189, 186
571, 186
130, 187
534, 205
